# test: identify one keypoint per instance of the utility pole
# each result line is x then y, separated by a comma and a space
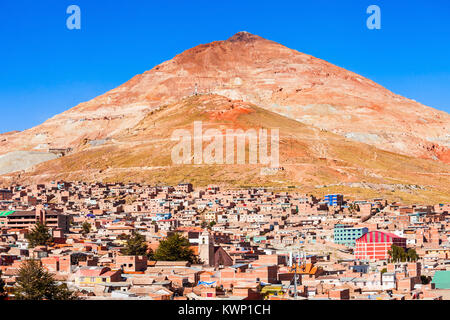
295, 282
293, 263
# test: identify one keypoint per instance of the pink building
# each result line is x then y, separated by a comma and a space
375, 245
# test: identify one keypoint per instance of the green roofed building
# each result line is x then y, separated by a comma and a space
441, 280
3, 215
6, 213
27, 219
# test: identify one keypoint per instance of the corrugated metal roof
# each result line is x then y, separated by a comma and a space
6, 213
441, 279
378, 236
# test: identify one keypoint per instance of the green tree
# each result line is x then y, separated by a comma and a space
212, 224
384, 270
403, 255
150, 255
425, 279
204, 224
175, 248
135, 246
412, 255
39, 236
394, 253
398, 254
86, 227
35, 283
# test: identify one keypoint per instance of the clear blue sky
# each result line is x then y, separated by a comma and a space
47, 69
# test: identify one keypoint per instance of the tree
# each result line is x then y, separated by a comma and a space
39, 236
86, 227
175, 248
398, 254
35, 283
212, 224
425, 279
412, 255
150, 255
135, 246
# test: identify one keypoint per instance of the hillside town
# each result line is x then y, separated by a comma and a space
248, 244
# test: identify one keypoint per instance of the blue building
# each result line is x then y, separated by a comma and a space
334, 199
347, 235
162, 216
258, 239
360, 268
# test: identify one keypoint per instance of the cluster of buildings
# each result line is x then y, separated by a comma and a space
254, 243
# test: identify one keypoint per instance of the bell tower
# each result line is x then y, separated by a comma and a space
206, 248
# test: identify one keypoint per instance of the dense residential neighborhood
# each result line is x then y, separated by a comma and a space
115, 241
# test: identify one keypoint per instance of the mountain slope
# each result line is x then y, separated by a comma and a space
309, 156
268, 74
337, 128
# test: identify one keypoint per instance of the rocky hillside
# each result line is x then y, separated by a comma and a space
310, 158
268, 74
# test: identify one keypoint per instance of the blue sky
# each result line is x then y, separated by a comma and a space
47, 69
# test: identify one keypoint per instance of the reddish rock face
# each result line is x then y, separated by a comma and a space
249, 68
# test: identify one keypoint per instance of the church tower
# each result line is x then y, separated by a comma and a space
206, 248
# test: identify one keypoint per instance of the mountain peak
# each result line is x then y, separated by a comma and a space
262, 72
244, 36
